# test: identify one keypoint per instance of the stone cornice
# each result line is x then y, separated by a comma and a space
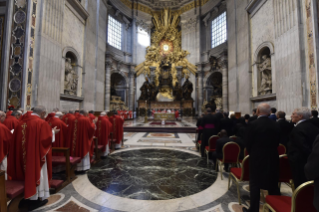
254, 5
77, 6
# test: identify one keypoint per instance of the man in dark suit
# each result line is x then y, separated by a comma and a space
227, 124
273, 114
300, 143
314, 120
199, 128
223, 139
312, 171
254, 116
285, 127
262, 139
211, 126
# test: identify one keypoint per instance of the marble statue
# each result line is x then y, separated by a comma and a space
145, 90
71, 79
265, 76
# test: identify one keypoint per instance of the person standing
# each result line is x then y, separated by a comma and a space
254, 116
30, 157
273, 114
5, 142
312, 171
314, 118
300, 143
227, 124
11, 121
261, 140
285, 127
211, 126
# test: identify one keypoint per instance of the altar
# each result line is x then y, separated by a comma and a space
164, 116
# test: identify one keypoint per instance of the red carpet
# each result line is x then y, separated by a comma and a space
160, 123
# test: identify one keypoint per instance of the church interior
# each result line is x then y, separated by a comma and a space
159, 105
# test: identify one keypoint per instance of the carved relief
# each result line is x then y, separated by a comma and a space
71, 79
265, 76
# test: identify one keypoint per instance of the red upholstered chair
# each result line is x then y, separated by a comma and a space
285, 174
245, 154
239, 175
231, 152
211, 146
281, 149
301, 200
234, 137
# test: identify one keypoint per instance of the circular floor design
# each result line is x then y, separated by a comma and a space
152, 174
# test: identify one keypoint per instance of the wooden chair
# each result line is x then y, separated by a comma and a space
211, 146
231, 151
285, 174
3, 195
301, 200
239, 175
281, 149
69, 162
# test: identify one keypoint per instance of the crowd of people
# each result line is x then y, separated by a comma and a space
260, 134
26, 141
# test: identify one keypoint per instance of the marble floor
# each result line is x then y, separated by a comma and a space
153, 172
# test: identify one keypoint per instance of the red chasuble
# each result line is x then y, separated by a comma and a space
69, 121
31, 147
91, 116
49, 117
5, 141
83, 131
9, 113
59, 138
103, 131
118, 128
11, 122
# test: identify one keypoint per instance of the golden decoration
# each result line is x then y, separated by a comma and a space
166, 48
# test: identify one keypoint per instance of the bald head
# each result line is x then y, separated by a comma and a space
263, 109
40, 110
2, 116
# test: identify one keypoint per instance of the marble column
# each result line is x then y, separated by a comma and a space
224, 68
108, 65
132, 87
200, 88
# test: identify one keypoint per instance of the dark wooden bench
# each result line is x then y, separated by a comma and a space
69, 162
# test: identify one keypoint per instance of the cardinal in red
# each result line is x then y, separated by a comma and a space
30, 157
83, 130
5, 141
103, 131
2, 116
11, 122
55, 121
91, 115
117, 130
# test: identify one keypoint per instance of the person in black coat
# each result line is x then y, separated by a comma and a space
312, 170
254, 116
314, 120
262, 140
211, 126
220, 143
285, 127
300, 143
199, 127
227, 124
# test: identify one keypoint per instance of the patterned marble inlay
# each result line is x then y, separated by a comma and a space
162, 135
152, 174
159, 141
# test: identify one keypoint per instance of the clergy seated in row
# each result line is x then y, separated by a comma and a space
220, 143
117, 128
29, 157
5, 141
103, 131
81, 132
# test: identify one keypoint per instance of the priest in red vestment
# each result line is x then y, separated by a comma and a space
11, 122
55, 121
83, 130
103, 131
92, 116
5, 141
2, 116
117, 129
30, 158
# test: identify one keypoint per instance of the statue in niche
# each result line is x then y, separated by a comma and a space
187, 89
265, 76
71, 79
154, 91
177, 92
113, 91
